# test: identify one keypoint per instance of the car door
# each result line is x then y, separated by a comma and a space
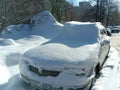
104, 47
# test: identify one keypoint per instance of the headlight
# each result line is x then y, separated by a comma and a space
43, 72
81, 72
90, 72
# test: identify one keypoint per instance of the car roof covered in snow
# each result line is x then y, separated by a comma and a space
74, 31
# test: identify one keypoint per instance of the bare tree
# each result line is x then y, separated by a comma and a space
58, 9
108, 12
69, 11
18, 11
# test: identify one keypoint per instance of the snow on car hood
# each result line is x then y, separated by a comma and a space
60, 55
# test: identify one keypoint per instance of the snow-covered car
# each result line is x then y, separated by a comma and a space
115, 29
69, 61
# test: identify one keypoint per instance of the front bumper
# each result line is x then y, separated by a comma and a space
38, 86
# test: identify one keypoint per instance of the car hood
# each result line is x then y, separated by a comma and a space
61, 55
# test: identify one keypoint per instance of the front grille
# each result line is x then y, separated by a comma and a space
49, 73
44, 72
34, 69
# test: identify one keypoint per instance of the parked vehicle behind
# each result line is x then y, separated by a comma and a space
69, 61
109, 32
115, 29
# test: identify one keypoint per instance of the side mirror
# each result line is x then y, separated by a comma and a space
109, 33
105, 42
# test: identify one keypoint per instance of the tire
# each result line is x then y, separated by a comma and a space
97, 69
108, 53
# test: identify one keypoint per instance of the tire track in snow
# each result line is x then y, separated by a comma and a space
116, 44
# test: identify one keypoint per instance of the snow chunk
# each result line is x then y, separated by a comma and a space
5, 42
4, 74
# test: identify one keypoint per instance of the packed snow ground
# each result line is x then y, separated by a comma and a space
13, 45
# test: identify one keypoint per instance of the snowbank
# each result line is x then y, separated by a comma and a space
45, 24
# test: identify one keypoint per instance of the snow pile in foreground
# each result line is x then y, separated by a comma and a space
110, 74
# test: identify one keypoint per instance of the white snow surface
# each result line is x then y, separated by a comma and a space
14, 43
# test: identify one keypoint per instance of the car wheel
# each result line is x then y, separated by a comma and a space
108, 53
97, 69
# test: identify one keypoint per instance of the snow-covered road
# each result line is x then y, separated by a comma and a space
115, 42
